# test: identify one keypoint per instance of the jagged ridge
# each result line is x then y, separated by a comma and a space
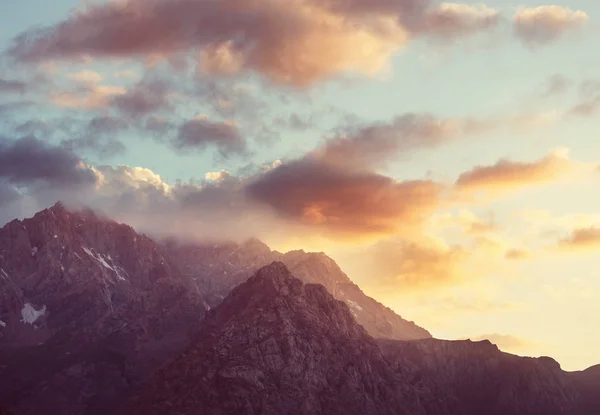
277, 346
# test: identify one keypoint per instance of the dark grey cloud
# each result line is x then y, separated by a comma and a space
98, 136
296, 122
102, 147
8, 193
47, 128
8, 86
202, 133
29, 161
10, 107
364, 146
146, 97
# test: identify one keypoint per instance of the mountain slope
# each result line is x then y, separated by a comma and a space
87, 308
276, 346
217, 269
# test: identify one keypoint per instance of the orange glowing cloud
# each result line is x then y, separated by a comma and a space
582, 239
344, 202
508, 175
87, 92
517, 254
293, 42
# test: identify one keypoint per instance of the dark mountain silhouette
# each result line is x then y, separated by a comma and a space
90, 310
278, 346
217, 269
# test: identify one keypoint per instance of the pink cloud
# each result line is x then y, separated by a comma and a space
296, 42
545, 24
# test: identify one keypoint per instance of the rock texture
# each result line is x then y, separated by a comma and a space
87, 308
217, 269
90, 310
275, 346
464, 377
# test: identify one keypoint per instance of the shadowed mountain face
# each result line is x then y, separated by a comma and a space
87, 309
90, 310
277, 346
217, 269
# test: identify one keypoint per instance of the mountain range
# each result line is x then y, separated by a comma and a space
96, 318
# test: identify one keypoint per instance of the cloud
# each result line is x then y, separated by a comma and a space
10, 107
297, 42
158, 126
537, 26
449, 21
343, 202
218, 176
98, 135
146, 97
370, 145
29, 160
86, 77
45, 129
587, 107
12, 87
8, 193
557, 84
200, 133
517, 254
507, 175
362, 146
207, 209
425, 263
87, 97
296, 122
582, 238
464, 220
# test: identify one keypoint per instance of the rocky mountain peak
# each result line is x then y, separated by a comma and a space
273, 279
256, 247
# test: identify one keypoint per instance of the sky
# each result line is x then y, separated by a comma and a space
444, 154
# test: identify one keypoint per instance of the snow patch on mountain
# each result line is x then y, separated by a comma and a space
30, 315
118, 272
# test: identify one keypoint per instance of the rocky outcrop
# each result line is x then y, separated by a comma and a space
218, 268
464, 377
275, 346
88, 307
278, 346
89, 310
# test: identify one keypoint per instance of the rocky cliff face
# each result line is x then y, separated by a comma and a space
217, 269
87, 308
464, 377
277, 346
